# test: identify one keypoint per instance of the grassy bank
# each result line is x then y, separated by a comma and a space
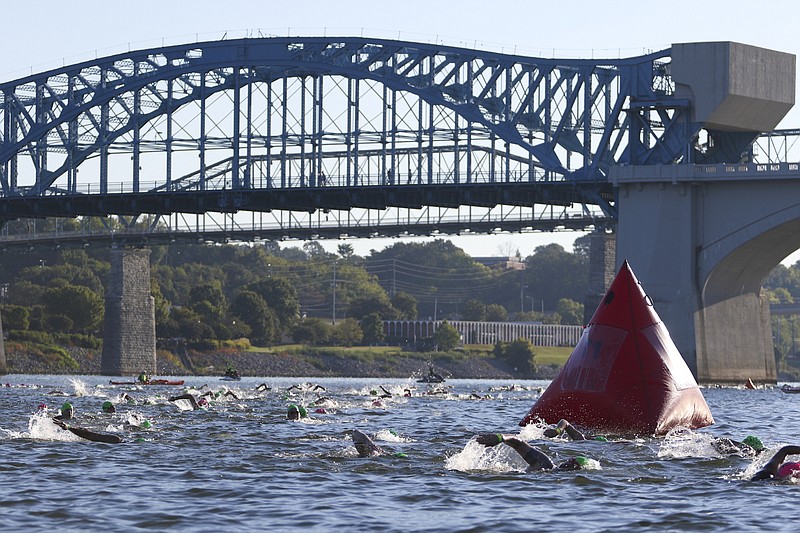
471, 361
544, 355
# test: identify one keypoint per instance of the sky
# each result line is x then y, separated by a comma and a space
58, 33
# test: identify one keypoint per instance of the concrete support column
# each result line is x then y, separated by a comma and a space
129, 330
602, 264
3, 366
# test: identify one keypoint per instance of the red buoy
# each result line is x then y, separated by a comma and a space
626, 375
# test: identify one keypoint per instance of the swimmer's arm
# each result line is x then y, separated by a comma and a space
89, 435
535, 458
186, 396
573, 433
770, 469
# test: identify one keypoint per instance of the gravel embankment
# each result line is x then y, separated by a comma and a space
286, 365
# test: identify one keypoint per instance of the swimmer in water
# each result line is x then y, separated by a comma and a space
88, 434
192, 400
367, 448
296, 412
564, 427
364, 445
536, 459
750, 446
776, 468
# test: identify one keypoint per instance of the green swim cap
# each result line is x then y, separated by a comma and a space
399, 455
66, 406
753, 442
600, 438
147, 424
303, 412
107, 406
581, 460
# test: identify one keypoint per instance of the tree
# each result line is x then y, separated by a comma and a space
446, 337
16, 317
346, 333
406, 306
208, 300
496, 313
571, 312
250, 307
518, 353
314, 331
378, 303
314, 250
190, 325
474, 310
372, 329
552, 273
345, 250
280, 296
82, 306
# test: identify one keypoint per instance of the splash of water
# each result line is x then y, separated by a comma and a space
475, 457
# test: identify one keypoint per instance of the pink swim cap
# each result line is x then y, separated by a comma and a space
789, 469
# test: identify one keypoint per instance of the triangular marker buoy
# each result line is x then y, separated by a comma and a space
626, 375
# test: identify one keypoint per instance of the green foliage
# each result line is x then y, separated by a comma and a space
346, 333
376, 303
24, 293
280, 296
552, 273
39, 337
372, 329
78, 304
406, 306
16, 317
345, 250
251, 308
314, 331
239, 345
496, 313
208, 300
474, 310
446, 336
58, 323
58, 358
77, 339
519, 354
571, 312
161, 304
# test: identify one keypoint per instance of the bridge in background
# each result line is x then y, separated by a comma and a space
376, 137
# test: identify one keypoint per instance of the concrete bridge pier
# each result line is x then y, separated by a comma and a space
602, 262
703, 269
129, 330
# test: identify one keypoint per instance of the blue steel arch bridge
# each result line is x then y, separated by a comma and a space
328, 137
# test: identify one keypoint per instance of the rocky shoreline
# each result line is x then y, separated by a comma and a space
268, 364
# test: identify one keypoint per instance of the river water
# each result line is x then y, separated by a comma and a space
239, 465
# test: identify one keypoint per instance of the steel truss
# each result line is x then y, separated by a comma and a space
301, 124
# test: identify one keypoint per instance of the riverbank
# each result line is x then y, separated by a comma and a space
288, 363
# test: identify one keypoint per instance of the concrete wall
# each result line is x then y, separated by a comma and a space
129, 332
702, 242
734, 86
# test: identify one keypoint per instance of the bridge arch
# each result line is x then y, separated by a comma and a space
222, 114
